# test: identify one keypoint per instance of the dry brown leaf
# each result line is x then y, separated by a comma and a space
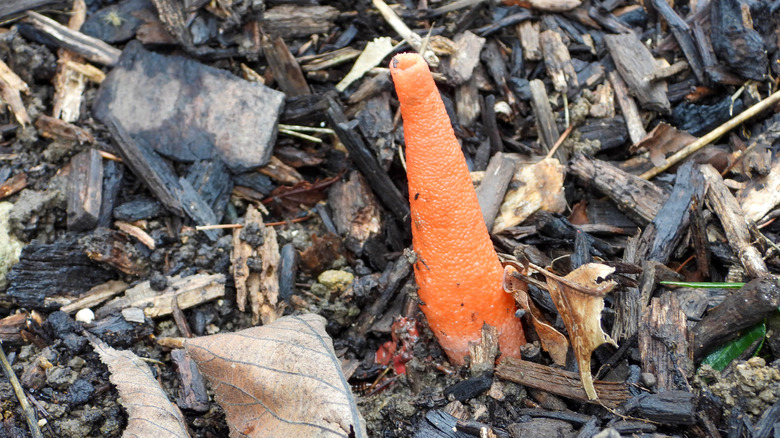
579, 298
149, 412
553, 341
260, 287
663, 140
540, 186
279, 380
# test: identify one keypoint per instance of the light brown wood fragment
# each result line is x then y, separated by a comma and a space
545, 119
13, 185
634, 62
189, 291
558, 62
90, 48
286, 70
51, 127
356, 213
95, 296
563, 383
760, 196
726, 207
69, 83
528, 33
11, 87
460, 66
483, 354
467, 105
636, 129
136, 232
554, 5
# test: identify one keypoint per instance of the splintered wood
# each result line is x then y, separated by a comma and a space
255, 260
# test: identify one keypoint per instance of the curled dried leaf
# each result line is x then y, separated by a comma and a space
149, 411
282, 379
553, 341
579, 298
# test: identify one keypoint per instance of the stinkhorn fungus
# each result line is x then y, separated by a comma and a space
457, 270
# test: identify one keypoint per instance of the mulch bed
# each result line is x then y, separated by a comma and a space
139, 139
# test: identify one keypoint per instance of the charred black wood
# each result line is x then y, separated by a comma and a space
119, 332
85, 193
138, 209
255, 181
116, 250
701, 119
213, 183
192, 392
739, 312
288, 270
390, 283
439, 424
509, 20
611, 133
669, 407
590, 428
305, 108
735, 41
469, 388
667, 229
559, 227
113, 175
286, 70
568, 416
682, 33
632, 427
375, 121
12, 9
365, 161
545, 119
198, 209
49, 269
491, 125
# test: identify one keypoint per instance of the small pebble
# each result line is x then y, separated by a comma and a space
85, 315
648, 379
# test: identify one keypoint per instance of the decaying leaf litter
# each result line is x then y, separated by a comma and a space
121, 151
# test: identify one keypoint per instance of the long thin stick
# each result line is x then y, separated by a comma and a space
29, 414
713, 135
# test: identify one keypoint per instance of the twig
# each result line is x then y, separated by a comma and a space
29, 414
407, 34
713, 135
560, 141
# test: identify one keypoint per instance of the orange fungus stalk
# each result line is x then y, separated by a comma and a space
457, 270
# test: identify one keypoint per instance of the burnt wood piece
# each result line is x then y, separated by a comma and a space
60, 268
567, 416
590, 428
545, 119
634, 62
56, 34
467, 104
736, 43
491, 124
288, 270
113, 175
611, 132
492, 189
119, 332
663, 343
608, 20
639, 199
189, 111
11, 327
391, 281
51, 127
148, 166
286, 70
213, 182
115, 249
558, 62
138, 209
682, 33
469, 388
192, 392
309, 107
376, 123
363, 158
296, 21
767, 425
13, 185
85, 192
699, 120
666, 230
628, 300
563, 383
740, 311
255, 181
198, 209
367, 88
673, 407
439, 424
558, 227
12, 9
496, 66
726, 207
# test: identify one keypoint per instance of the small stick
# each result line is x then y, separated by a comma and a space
560, 141
407, 34
29, 414
713, 135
